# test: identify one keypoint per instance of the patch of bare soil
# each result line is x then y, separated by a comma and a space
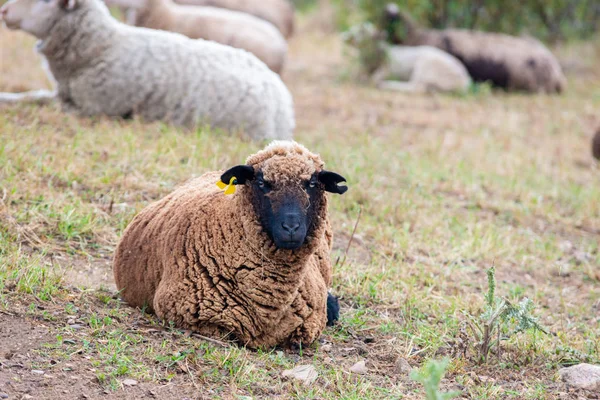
91, 273
26, 373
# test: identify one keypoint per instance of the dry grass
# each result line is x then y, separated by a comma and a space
447, 186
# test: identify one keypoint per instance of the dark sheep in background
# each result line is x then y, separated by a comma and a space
596, 145
509, 62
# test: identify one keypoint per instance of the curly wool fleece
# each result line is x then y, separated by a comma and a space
201, 259
104, 67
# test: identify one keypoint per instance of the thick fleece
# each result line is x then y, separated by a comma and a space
201, 259
414, 69
233, 28
278, 12
513, 63
102, 66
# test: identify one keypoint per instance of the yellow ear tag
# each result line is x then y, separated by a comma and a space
229, 188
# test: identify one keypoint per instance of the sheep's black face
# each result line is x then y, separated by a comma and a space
287, 211
392, 24
287, 214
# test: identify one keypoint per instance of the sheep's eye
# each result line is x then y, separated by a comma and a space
312, 184
262, 185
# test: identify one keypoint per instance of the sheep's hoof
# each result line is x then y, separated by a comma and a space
295, 346
333, 309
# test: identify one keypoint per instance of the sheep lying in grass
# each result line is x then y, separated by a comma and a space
278, 12
102, 66
232, 28
406, 68
253, 262
520, 64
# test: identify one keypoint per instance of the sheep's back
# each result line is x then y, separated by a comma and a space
508, 61
166, 76
228, 27
278, 12
156, 238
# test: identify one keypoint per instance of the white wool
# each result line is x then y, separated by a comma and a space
104, 67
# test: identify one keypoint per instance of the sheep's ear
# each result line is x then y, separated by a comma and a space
242, 174
331, 180
67, 4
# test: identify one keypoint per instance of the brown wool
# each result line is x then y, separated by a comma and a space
200, 259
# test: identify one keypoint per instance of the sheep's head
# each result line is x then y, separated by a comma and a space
369, 42
286, 185
36, 17
361, 34
397, 24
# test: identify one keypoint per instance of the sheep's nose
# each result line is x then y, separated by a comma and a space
291, 224
3, 12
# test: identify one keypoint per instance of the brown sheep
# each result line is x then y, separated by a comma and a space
278, 12
254, 264
513, 63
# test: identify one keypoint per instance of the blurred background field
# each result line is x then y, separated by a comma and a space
446, 187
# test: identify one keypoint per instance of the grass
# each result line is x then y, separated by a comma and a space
446, 186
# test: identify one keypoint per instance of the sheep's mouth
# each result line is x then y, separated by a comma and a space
290, 244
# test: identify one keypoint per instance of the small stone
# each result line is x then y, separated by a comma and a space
581, 257
71, 321
306, 373
402, 366
359, 368
3, 395
130, 382
37, 372
26, 397
326, 347
583, 376
565, 246
76, 326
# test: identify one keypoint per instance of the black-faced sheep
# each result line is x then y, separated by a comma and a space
513, 63
102, 66
415, 69
278, 12
233, 28
254, 264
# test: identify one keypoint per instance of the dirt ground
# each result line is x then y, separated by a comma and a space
447, 187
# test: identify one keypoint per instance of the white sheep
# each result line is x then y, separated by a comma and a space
232, 28
415, 69
278, 12
102, 66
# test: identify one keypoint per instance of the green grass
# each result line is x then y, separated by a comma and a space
446, 186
